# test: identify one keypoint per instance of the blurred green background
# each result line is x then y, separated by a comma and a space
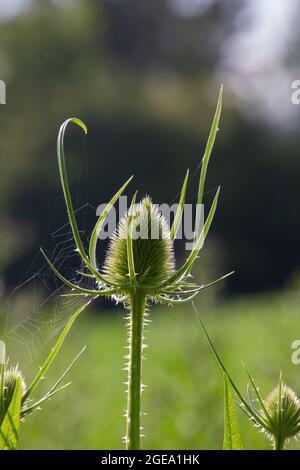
183, 400
144, 76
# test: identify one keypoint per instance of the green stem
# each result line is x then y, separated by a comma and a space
135, 370
279, 443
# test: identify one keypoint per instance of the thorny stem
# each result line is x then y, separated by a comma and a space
135, 370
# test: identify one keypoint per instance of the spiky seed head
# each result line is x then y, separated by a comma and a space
151, 245
283, 408
10, 381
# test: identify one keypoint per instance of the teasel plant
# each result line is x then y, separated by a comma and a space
277, 416
16, 402
138, 270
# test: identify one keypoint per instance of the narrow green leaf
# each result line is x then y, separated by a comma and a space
184, 270
53, 353
206, 157
9, 431
54, 389
248, 408
2, 353
171, 301
27, 411
99, 224
209, 284
179, 211
280, 399
232, 436
67, 194
196, 289
2, 370
129, 242
261, 402
250, 399
64, 179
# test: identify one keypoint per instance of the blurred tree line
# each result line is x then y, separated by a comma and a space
144, 79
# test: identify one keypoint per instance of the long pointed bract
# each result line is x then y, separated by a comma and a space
129, 243
67, 194
64, 179
206, 157
179, 211
2, 371
99, 224
184, 270
257, 417
52, 355
54, 389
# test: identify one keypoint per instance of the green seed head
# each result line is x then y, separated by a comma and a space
283, 409
151, 245
10, 382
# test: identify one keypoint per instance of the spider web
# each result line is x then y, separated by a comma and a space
36, 309
44, 308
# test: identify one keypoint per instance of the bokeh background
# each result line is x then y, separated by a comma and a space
144, 76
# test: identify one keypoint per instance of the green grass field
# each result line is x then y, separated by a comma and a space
184, 395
